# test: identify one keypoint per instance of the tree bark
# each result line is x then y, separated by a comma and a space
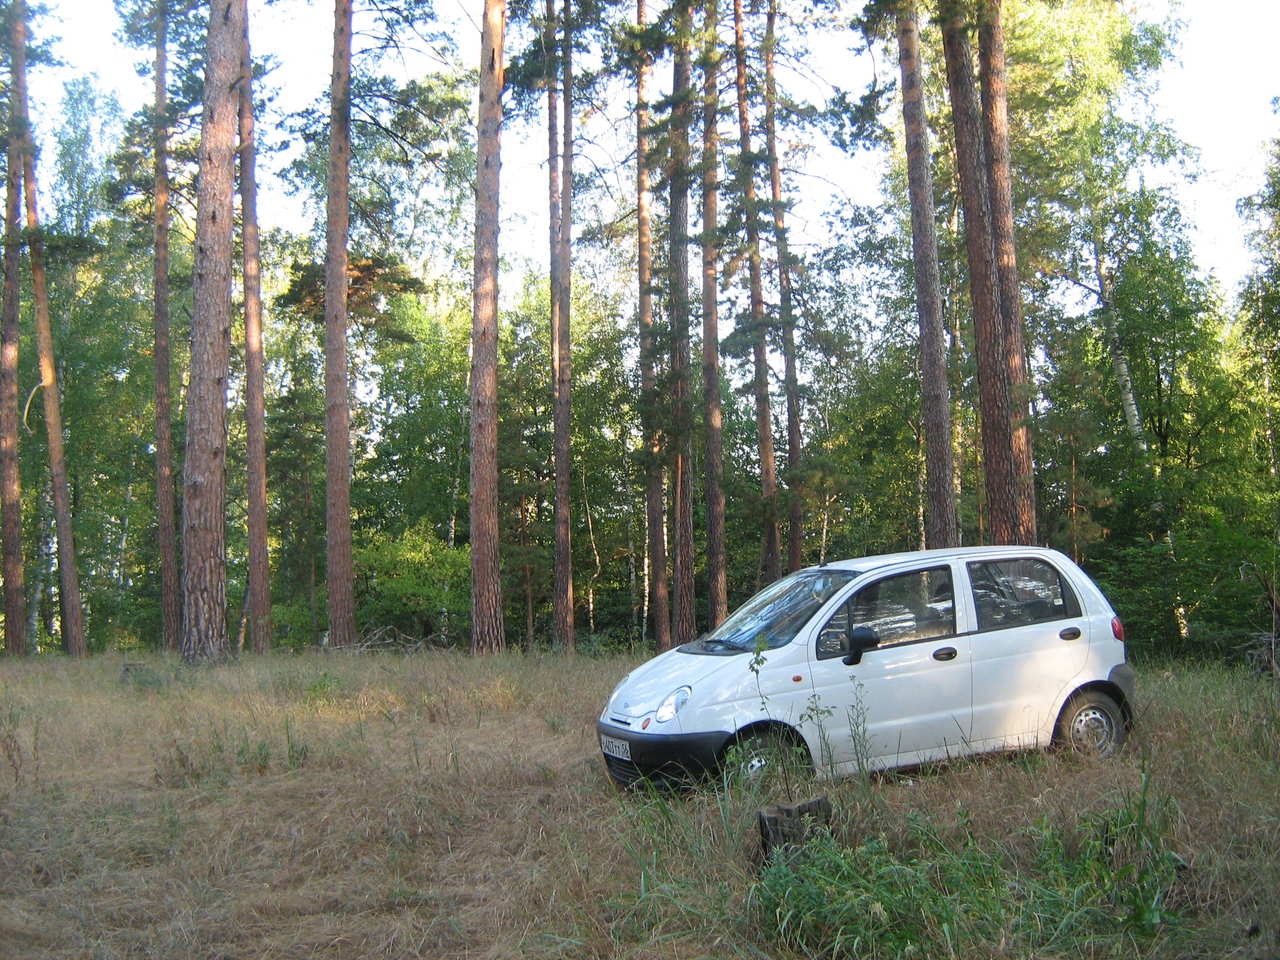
655, 499
940, 526
259, 603
561, 359
795, 439
995, 123
166, 499
487, 633
340, 576
764, 418
717, 588
15, 600
685, 625
550, 48
204, 585
993, 369
37, 608
73, 638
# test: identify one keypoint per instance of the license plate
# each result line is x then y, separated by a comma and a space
615, 747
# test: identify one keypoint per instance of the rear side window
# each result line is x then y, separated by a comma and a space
902, 608
1011, 593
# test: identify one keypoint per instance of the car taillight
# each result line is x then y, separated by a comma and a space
1117, 629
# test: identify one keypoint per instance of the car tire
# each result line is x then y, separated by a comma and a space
761, 754
1091, 724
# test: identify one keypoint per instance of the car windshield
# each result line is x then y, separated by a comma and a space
774, 616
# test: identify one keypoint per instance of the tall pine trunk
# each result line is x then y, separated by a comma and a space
995, 124
339, 576
764, 418
993, 369
166, 498
561, 360
717, 588
655, 512
259, 616
786, 309
487, 634
685, 623
204, 582
550, 52
15, 600
940, 526
551, 78
73, 639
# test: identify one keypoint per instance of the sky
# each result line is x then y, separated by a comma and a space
1218, 97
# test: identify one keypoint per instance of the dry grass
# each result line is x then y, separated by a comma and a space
439, 806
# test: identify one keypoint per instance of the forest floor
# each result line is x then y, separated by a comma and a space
434, 805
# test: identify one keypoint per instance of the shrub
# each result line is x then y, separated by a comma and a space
415, 583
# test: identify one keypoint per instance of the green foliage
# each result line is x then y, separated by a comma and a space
1103, 881
413, 158
1181, 536
415, 583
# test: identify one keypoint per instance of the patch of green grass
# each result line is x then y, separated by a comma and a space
323, 689
1103, 882
215, 753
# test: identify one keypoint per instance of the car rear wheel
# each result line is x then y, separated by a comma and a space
1092, 724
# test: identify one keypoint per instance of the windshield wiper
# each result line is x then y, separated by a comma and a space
731, 644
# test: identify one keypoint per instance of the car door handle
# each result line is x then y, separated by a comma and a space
945, 653
1069, 633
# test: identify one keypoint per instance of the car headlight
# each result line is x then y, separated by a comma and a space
672, 704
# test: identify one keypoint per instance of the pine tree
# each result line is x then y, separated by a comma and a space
993, 369
764, 418
684, 628
487, 633
204, 585
561, 357
717, 584
166, 500
15, 600
941, 529
340, 576
655, 512
786, 309
259, 605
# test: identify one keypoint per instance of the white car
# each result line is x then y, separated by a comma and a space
885, 661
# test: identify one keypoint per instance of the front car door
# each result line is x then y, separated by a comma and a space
909, 699
1032, 639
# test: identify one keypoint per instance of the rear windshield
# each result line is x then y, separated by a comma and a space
774, 616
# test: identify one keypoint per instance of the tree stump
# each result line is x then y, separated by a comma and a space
786, 826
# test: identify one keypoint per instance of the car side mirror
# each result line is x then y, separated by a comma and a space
861, 639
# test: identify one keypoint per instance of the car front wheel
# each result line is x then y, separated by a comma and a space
763, 755
1092, 724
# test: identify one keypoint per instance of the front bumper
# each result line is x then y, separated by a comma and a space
662, 758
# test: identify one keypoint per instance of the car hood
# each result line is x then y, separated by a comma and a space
645, 687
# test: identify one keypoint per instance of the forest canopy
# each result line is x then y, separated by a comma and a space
705, 360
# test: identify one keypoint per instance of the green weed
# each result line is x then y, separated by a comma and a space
1104, 881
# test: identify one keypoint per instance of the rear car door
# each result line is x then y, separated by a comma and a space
909, 699
1032, 638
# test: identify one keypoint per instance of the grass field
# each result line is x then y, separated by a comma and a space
433, 805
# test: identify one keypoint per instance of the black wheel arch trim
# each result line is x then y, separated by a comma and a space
1119, 686
763, 726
